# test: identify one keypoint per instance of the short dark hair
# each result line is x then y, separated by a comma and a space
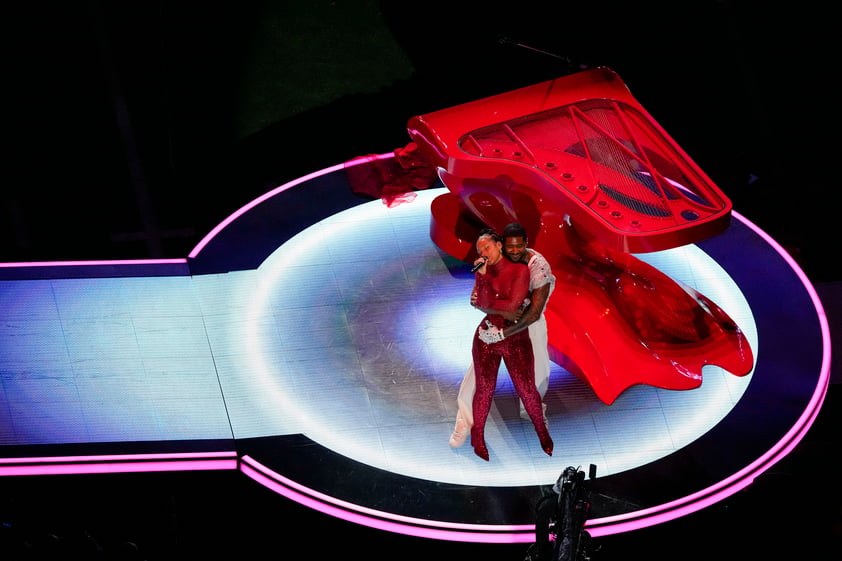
514, 230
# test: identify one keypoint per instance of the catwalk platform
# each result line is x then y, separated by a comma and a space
315, 341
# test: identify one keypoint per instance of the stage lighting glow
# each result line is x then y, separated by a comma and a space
436, 316
290, 345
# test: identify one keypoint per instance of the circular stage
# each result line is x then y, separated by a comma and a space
351, 385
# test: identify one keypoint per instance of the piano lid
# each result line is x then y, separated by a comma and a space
584, 146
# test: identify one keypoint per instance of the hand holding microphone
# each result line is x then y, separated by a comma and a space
478, 266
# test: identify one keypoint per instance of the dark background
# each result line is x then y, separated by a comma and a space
135, 127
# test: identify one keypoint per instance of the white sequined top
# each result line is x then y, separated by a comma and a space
540, 272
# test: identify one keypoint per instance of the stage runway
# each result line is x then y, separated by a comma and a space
315, 341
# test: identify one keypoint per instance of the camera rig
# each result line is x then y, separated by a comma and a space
560, 533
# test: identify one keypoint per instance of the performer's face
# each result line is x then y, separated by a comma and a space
515, 248
491, 250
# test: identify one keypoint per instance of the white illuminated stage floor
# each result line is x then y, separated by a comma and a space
316, 340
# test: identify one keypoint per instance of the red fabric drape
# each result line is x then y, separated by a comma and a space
392, 179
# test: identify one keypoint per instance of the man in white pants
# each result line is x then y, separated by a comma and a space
541, 284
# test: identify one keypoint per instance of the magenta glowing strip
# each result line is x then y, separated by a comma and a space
225, 223
412, 526
374, 518
596, 527
180, 260
327, 498
746, 476
118, 463
706, 498
121, 467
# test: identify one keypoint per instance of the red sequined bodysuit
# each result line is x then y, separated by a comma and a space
504, 287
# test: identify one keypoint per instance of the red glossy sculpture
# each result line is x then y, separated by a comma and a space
593, 178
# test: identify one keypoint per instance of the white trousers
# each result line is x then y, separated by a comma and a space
538, 336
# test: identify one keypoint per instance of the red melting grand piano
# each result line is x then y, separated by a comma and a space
594, 179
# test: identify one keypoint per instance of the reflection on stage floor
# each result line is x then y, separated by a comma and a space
316, 340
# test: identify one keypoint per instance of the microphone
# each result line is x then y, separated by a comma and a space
476, 267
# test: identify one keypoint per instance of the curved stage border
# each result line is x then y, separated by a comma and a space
783, 399
774, 412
